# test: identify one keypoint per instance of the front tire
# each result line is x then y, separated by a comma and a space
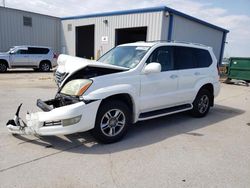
202, 103
3, 67
112, 122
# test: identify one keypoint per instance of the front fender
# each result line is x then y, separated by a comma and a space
108, 91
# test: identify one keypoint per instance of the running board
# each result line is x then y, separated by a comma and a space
165, 111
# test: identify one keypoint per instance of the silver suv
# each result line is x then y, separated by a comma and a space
36, 57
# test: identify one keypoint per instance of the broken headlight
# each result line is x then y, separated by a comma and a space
76, 87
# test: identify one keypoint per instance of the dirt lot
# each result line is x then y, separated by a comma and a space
173, 151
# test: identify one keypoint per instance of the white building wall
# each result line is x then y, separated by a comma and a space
153, 22
45, 30
191, 31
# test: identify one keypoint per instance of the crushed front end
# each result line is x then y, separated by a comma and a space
66, 119
67, 113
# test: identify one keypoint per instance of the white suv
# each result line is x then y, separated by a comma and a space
130, 83
36, 57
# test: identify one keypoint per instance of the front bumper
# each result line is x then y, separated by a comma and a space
50, 122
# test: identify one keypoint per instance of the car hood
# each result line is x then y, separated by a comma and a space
70, 64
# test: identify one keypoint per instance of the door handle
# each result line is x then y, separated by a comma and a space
173, 76
197, 73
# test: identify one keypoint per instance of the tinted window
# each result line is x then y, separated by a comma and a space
184, 58
202, 57
38, 50
22, 52
162, 55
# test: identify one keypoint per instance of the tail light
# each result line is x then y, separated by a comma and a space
55, 55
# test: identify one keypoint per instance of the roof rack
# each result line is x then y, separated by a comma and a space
175, 41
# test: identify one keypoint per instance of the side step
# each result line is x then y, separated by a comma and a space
165, 111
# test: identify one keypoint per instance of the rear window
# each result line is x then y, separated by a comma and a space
38, 50
202, 58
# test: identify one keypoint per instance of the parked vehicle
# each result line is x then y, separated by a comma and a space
36, 57
130, 83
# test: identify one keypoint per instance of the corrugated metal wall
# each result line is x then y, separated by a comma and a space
45, 30
190, 31
153, 22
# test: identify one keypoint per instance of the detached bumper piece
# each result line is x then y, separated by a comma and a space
18, 126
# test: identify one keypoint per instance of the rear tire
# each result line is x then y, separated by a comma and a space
112, 122
202, 103
3, 67
44, 66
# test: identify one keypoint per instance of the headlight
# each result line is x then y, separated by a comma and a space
76, 87
71, 121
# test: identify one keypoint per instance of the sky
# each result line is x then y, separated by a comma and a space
233, 15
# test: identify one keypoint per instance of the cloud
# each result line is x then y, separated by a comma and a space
239, 25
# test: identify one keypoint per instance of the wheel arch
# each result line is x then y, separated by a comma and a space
124, 97
45, 61
210, 88
5, 62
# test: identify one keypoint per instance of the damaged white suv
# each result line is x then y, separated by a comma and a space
130, 83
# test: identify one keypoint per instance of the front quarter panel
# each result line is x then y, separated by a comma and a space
103, 88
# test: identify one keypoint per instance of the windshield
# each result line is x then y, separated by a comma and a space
125, 56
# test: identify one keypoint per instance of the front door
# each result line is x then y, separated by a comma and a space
158, 90
19, 58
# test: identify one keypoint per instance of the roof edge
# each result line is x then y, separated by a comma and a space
29, 12
120, 12
145, 10
173, 11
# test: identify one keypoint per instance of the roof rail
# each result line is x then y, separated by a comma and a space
176, 41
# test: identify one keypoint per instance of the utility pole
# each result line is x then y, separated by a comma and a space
3, 3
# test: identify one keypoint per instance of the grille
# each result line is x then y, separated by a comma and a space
59, 77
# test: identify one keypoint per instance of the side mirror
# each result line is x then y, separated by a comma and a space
152, 68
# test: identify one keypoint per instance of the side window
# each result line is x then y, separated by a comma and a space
38, 50
203, 58
21, 52
162, 55
184, 58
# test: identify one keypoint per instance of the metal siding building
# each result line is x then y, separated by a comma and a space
152, 21
162, 23
43, 31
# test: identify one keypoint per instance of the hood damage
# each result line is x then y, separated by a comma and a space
63, 114
74, 67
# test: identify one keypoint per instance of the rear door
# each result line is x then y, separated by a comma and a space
158, 90
192, 64
36, 55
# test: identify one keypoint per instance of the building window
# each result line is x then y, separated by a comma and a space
69, 27
27, 21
